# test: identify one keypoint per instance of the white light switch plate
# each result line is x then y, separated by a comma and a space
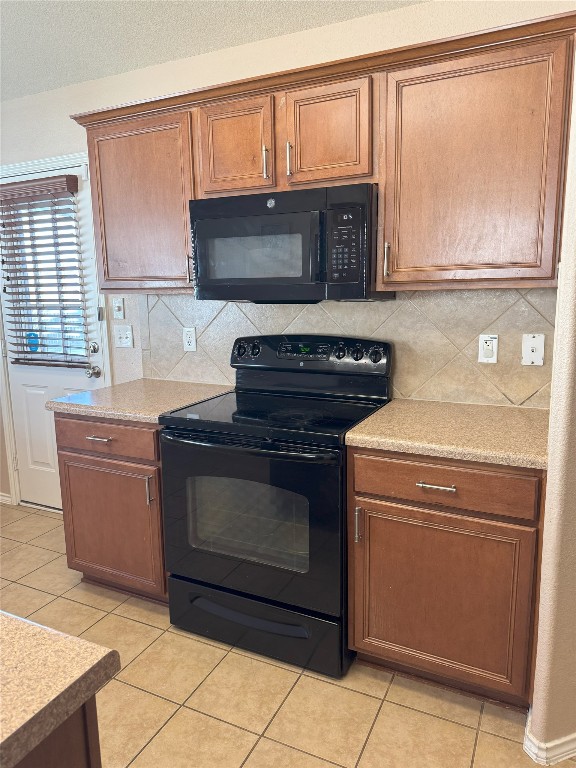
533, 349
118, 308
123, 336
189, 339
488, 349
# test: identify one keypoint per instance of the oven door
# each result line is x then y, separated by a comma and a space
260, 518
270, 257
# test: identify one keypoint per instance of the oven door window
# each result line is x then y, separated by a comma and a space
250, 520
273, 248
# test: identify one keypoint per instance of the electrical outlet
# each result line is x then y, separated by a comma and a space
123, 336
533, 349
488, 349
118, 308
189, 339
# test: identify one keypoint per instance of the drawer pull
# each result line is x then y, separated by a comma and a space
99, 439
357, 535
448, 489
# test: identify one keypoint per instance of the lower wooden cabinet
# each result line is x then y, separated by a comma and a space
112, 521
438, 590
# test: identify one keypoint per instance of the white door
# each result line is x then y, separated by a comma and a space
30, 386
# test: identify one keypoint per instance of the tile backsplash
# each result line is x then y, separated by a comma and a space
434, 333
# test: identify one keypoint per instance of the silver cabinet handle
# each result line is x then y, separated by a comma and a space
265, 162
386, 257
288, 162
99, 439
149, 498
448, 489
357, 535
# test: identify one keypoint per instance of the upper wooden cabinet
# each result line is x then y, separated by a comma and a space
321, 133
328, 132
472, 169
141, 185
236, 144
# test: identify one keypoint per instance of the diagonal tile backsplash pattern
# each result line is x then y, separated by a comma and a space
434, 333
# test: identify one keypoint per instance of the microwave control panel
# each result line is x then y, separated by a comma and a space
344, 227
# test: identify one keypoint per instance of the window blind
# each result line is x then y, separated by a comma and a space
44, 307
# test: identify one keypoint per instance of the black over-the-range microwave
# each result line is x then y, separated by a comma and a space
301, 246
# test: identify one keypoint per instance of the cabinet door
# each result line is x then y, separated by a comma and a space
473, 169
141, 185
443, 593
235, 145
328, 131
112, 521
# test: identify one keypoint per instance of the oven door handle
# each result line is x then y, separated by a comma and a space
320, 457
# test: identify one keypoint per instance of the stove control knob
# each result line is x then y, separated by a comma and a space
340, 352
241, 350
375, 355
357, 353
255, 349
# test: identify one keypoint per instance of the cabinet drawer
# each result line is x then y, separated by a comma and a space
107, 439
490, 491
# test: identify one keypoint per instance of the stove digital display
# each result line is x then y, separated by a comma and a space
288, 351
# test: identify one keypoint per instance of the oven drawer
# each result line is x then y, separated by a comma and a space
490, 491
107, 439
287, 635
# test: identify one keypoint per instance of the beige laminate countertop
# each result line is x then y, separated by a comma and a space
45, 677
139, 400
487, 433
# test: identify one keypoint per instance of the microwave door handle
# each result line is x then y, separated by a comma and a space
317, 267
320, 457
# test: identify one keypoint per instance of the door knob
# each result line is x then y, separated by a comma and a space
93, 347
93, 371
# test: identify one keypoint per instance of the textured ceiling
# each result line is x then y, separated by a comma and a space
47, 44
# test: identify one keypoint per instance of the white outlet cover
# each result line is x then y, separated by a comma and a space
189, 339
118, 308
488, 348
533, 349
123, 336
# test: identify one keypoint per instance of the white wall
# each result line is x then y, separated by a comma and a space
38, 126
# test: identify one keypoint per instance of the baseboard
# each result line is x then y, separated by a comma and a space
5, 498
549, 752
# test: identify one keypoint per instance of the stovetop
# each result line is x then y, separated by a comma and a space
310, 389
280, 417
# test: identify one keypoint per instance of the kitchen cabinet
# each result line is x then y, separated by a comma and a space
466, 138
472, 169
321, 133
236, 145
442, 558
110, 482
328, 132
73, 743
141, 178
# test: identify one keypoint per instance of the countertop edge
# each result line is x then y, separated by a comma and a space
449, 452
98, 410
31, 733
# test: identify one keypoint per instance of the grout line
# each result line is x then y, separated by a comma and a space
343, 687
265, 660
297, 749
477, 736
294, 684
153, 736
437, 717
365, 744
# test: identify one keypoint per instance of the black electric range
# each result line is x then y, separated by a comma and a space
254, 496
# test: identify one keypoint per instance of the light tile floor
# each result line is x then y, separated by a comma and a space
182, 701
